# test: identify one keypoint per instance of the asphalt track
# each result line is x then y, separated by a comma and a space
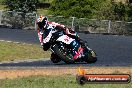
112, 50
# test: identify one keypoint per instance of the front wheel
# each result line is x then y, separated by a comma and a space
91, 57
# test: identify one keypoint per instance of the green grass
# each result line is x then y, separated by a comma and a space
42, 11
12, 51
42, 1
39, 11
1, 1
67, 81
2, 7
47, 1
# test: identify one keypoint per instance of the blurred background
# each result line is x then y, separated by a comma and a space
88, 16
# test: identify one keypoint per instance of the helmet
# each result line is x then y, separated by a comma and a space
42, 22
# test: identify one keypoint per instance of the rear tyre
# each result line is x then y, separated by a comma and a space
91, 57
66, 58
54, 58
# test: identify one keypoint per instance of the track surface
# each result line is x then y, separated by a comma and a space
112, 50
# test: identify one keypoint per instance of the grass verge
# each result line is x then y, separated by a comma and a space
10, 51
65, 81
16, 73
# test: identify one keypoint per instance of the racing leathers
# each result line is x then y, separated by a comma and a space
52, 27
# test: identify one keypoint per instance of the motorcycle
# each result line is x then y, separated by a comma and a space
62, 50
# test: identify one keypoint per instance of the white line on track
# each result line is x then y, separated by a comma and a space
14, 42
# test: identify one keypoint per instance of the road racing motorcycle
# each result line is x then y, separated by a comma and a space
60, 46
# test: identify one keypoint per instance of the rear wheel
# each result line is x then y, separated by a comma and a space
91, 57
54, 58
67, 58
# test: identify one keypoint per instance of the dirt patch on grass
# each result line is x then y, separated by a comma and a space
15, 73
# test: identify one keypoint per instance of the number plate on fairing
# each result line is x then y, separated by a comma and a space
66, 39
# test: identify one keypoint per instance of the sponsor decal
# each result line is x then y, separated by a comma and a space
83, 78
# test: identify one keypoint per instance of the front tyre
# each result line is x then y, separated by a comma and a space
91, 57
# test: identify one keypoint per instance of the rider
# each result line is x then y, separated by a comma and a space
45, 27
